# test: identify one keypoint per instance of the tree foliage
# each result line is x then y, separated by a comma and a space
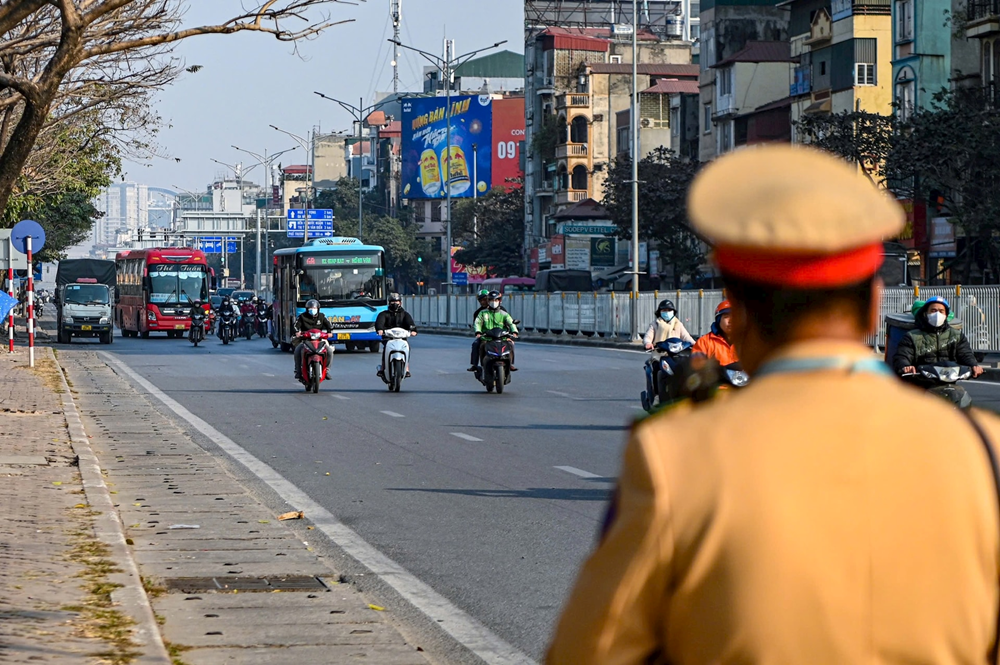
953, 148
498, 240
858, 136
664, 181
94, 64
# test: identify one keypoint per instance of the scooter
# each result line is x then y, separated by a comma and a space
942, 380
247, 321
494, 371
197, 333
672, 352
227, 326
314, 358
397, 354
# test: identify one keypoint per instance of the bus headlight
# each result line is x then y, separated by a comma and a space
150, 315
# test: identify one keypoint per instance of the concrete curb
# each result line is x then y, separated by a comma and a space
539, 338
131, 597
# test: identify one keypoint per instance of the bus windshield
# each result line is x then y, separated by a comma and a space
87, 294
177, 284
342, 280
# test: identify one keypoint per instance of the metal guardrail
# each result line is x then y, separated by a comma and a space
609, 315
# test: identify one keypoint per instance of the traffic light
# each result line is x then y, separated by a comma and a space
140, 235
936, 201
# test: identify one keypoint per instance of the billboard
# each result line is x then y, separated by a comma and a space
426, 164
508, 140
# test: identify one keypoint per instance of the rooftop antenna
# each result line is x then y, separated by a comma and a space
397, 17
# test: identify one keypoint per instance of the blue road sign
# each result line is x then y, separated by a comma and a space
320, 222
22, 231
314, 213
210, 244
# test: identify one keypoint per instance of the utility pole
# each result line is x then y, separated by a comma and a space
397, 17
310, 148
635, 169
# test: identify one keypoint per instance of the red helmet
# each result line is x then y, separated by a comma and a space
723, 308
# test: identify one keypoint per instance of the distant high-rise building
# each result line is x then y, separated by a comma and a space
126, 209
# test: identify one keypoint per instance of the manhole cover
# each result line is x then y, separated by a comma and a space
287, 583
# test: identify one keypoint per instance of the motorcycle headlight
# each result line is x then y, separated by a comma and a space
737, 377
67, 319
675, 347
950, 374
104, 321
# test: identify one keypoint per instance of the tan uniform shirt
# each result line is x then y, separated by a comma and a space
813, 517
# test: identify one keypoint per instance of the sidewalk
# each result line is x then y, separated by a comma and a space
55, 586
227, 581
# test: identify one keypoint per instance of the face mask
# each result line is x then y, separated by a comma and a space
667, 316
936, 319
313, 311
394, 306
494, 304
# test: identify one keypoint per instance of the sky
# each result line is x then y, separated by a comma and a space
250, 81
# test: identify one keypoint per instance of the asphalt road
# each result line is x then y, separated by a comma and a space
460, 487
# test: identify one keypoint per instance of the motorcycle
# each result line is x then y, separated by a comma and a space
494, 371
942, 379
260, 320
197, 332
397, 354
246, 322
672, 352
314, 358
227, 326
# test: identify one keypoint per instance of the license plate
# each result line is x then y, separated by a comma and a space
179, 326
343, 337
86, 327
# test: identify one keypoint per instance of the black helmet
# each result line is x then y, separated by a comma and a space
665, 305
395, 302
494, 296
312, 304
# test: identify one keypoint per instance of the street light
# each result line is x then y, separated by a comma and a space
239, 171
265, 162
634, 129
310, 149
447, 66
359, 113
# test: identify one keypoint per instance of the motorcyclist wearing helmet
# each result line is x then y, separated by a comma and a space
933, 341
484, 297
665, 326
394, 317
494, 316
311, 319
197, 309
717, 343
228, 305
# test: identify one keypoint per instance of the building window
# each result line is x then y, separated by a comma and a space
906, 91
724, 81
675, 121
695, 31
578, 179
987, 62
822, 68
623, 142
904, 20
725, 137
864, 73
578, 130
706, 126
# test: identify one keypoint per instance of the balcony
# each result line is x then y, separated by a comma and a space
574, 100
545, 188
983, 18
572, 150
568, 196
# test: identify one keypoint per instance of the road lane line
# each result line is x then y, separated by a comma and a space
578, 472
556, 392
336, 396
393, 414
462, 627
463, 435
270, 375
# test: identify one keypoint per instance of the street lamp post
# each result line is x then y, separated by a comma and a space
447, 66
310, 149
359, 113
635, 169
265, 162
238, 170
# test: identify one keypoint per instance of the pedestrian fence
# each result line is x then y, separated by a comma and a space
616, 315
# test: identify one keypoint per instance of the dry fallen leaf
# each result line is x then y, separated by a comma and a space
294, 515
377, 608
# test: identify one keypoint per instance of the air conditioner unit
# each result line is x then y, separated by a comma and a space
645, 122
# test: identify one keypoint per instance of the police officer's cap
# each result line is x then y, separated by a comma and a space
792, 216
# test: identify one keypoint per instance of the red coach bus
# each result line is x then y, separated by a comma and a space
156, 288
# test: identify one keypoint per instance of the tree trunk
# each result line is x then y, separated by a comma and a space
18, 149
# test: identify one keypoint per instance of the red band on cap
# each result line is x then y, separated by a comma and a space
803, 271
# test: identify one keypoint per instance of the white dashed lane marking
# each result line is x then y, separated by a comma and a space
578, 472
467, 437
393, 414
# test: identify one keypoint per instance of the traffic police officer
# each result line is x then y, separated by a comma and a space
827, 513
